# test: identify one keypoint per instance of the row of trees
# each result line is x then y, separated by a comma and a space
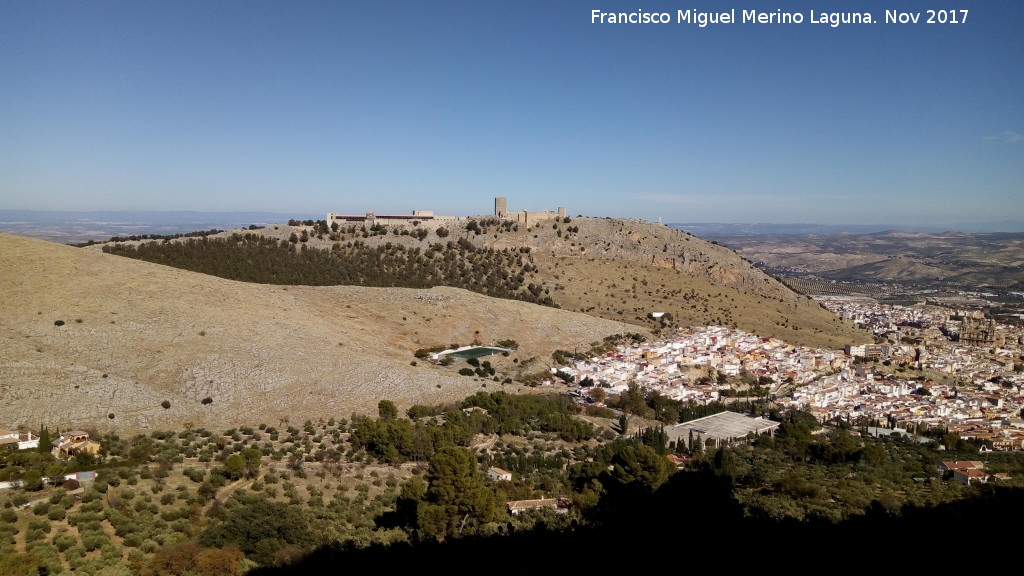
393, 440
653, 404
256, 258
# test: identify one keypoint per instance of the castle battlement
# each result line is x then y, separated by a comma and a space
525, 217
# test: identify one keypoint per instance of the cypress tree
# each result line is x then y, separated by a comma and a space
44, 440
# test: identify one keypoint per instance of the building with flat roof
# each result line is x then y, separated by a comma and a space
559, 505
724, 428
372, 218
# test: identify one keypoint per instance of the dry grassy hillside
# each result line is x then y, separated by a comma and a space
136, 334
623, 270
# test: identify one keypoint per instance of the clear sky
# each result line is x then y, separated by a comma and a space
352, 106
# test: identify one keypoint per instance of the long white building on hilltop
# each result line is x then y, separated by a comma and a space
372, 218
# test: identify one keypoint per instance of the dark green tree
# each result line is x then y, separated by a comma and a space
457, 496
409, 500
234, 466
655, 438
640, 466
261, 528
44, 440
387, 410
632, 401
32, 481
252, 457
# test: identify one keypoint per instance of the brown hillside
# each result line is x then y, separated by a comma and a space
896, 269
623, 270
135, 334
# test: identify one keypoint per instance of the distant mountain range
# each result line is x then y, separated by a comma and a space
902, 261
71, 226
711, 230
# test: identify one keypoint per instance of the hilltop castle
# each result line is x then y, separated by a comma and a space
525, 217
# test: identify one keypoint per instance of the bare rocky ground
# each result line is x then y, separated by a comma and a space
134, 335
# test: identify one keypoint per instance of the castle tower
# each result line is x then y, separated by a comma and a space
500, 206
561, 211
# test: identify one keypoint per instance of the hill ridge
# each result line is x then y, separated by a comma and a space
614, 268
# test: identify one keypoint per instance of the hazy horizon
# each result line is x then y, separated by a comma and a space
101, 225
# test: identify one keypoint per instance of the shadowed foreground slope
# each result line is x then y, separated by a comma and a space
693, 521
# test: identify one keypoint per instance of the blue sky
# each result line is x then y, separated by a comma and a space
310, 107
